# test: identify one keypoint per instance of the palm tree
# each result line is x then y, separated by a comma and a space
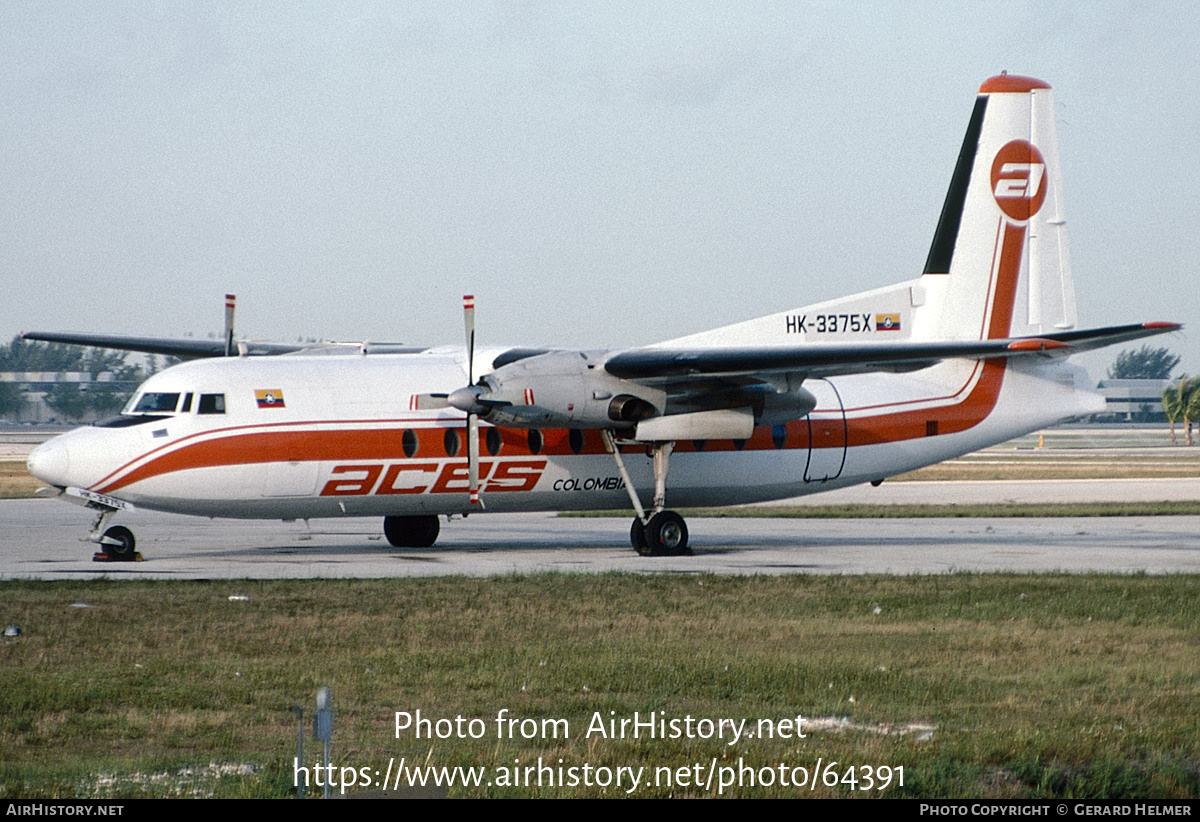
1172, 400
1191, 405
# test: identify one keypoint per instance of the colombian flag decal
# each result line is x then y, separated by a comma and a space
887, 322
269, 397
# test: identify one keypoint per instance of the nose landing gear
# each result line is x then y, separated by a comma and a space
116, 543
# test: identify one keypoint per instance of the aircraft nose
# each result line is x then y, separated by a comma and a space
51, 462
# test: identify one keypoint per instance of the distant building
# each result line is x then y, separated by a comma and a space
37, 384
1133, 400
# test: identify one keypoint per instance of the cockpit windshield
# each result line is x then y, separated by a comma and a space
155, 403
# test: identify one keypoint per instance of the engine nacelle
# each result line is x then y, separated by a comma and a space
563, 389
571, 389
630, 409
775, 408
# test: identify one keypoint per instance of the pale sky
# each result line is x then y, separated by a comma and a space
597, 174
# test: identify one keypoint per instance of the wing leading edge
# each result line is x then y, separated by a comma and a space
196, 349
186, 349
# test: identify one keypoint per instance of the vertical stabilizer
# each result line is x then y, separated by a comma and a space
998, 265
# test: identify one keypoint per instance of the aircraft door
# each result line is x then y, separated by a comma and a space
826, 433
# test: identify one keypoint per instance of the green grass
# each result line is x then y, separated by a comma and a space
1033, 686
998, 509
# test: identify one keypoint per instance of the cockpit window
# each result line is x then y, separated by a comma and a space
154, 403
211, 404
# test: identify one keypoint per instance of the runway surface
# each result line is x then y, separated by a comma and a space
41, 539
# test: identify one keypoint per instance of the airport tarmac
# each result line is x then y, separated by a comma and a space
41, 539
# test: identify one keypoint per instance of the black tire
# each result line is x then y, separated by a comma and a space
666, 535
637, 537
123, 550
411, 532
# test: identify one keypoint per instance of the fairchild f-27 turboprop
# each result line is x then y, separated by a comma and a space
972, 352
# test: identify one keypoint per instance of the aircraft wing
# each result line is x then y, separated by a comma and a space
816, 360
184, 348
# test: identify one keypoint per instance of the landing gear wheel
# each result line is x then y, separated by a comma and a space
121, 549
637, 537
411, 532
666, 535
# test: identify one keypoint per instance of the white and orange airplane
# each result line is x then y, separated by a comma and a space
971, 353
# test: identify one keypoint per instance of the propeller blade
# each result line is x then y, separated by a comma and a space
230, 305
469, 323
472, 418
427, 402
473, 459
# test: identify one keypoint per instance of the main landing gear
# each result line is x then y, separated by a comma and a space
663, 533
411, 532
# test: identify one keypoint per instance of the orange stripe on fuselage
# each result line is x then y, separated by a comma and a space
271, 446
189, 439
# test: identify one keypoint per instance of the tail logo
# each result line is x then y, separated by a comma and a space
1019, 180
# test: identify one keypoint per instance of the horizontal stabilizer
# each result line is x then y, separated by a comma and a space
1093, 338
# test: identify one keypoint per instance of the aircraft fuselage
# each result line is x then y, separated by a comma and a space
330, 436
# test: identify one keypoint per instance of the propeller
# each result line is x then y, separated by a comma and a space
230, 305
472, 416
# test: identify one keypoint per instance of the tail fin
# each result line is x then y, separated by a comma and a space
998, 265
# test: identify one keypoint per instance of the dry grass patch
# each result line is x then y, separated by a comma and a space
15, 481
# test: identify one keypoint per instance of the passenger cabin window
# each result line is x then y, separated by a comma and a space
155, 403
211, 404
